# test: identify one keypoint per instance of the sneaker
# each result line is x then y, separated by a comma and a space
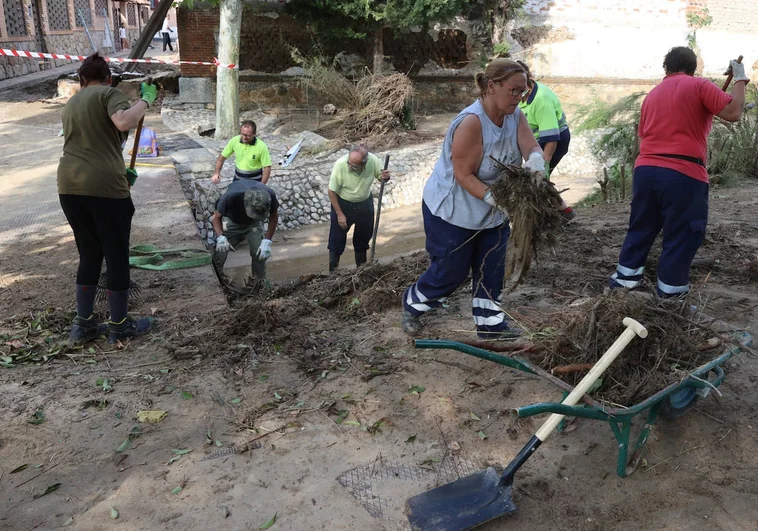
128, 327
84, 330
411, 323
509, 332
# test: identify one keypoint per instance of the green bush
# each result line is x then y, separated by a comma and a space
501, 49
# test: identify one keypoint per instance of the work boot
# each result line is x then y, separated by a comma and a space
128, 327
568, 214
334, 261
360, 258
411, 323
509, 332
84, 330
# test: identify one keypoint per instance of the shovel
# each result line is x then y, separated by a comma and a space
378, 211
131, 174
484, 496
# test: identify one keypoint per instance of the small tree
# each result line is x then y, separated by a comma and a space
227, 79
361, 19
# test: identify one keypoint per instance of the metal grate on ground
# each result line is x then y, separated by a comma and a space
383, 486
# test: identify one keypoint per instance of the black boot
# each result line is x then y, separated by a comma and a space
121, 326
84, 330
334, 261
360, 258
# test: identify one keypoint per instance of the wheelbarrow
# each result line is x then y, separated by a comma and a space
670, 402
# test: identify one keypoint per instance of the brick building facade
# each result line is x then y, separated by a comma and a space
58, 26
563, 38
267, 38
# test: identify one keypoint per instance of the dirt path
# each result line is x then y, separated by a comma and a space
340, 389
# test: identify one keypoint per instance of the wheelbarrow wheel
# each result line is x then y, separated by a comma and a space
677, 403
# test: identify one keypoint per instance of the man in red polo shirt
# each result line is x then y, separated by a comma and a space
670, 190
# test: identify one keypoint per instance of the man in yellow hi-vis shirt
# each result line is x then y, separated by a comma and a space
251, 157
353, 203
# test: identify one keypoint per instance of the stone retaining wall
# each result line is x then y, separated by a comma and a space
302, 189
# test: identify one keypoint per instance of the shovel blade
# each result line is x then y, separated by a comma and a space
463, 504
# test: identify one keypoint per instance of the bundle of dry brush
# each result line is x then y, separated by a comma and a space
531, 206
373, 109
382, 104
678, 342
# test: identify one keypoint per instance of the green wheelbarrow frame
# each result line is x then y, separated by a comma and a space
619, 419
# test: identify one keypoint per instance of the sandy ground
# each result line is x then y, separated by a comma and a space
343, 395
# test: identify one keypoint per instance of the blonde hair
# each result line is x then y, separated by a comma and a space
497, 70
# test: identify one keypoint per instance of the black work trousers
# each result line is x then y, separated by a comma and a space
101, 226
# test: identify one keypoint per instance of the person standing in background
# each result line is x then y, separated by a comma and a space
123, 37
547, 121
166, 32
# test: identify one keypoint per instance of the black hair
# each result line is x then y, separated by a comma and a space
94, 69
680, 59
249, 123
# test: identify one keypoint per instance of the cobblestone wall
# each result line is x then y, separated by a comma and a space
302, 189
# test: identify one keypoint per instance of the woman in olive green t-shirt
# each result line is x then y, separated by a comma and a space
94, 194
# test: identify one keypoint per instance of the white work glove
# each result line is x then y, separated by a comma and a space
223, 245
264, 251
490, 199
738, 71
535, 163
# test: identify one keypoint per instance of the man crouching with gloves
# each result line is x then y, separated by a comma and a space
244, 207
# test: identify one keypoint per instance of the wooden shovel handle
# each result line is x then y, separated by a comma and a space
730, 75
633, 329
137, 134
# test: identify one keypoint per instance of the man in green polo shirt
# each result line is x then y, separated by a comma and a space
251, 157
353, 203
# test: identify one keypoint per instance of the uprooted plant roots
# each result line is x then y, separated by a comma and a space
580, 334
281, 312
531, 206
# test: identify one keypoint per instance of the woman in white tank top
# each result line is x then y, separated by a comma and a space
465, 231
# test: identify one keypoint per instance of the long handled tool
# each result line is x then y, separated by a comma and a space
131, 174
481, 497
729, 75
378, 210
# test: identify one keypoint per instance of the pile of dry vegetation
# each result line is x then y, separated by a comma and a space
678, 342
283, 312
374, 109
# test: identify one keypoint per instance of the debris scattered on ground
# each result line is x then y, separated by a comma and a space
578, 335
286, 309
535, 220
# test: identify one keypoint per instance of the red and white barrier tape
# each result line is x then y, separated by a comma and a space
38, 55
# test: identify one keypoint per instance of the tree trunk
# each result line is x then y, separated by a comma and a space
152, 27
379, 51
227, 79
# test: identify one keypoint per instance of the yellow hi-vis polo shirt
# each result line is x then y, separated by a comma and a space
248, 157
351, 186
